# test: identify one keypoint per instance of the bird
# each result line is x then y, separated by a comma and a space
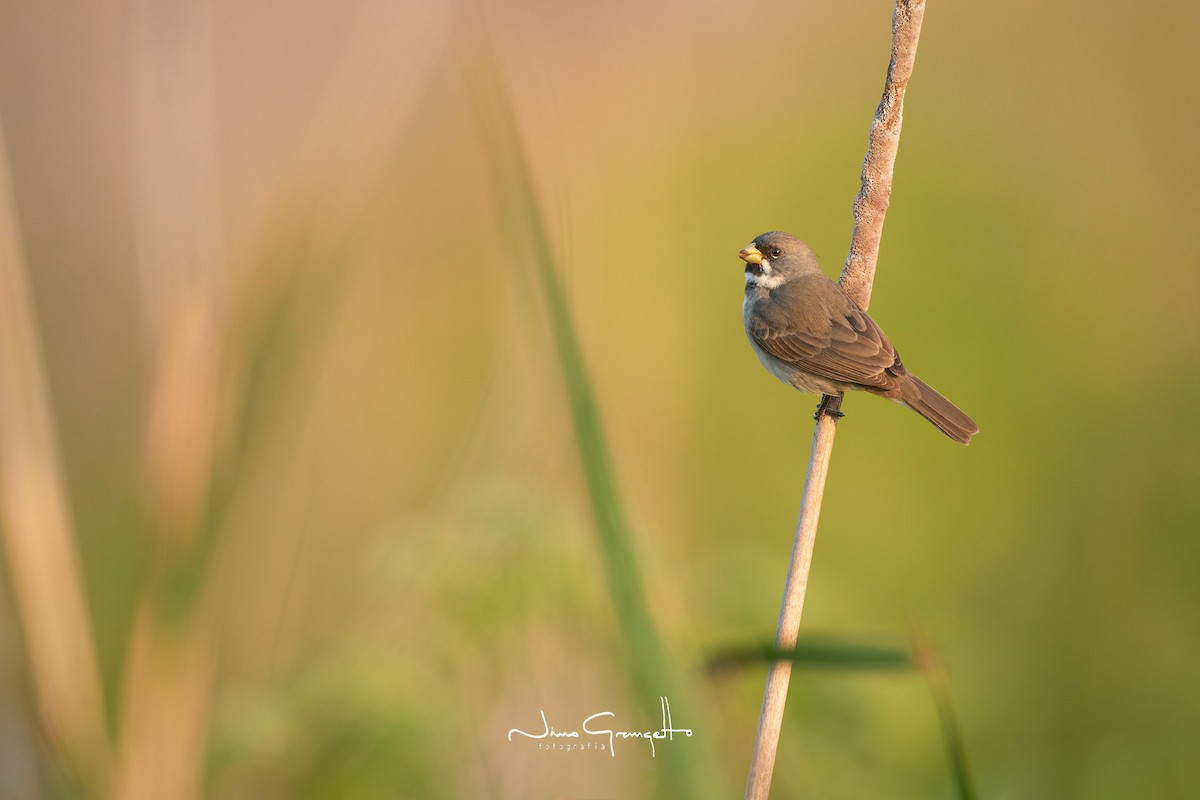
811, 335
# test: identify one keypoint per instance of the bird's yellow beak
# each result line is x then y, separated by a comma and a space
751, 255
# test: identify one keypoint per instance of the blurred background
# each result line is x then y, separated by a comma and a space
292, 498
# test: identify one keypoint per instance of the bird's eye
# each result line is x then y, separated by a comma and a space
776, 253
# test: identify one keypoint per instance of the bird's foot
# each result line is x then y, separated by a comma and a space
823, 408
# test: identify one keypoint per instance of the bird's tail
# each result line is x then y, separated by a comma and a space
917, 395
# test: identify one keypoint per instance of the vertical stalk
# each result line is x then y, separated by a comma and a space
35, 520
858, 275
170, 668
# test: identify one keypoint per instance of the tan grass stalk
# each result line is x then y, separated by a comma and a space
40, 549
169, 670
857, 278
200, 370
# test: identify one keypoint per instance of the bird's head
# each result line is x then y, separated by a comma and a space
775, 257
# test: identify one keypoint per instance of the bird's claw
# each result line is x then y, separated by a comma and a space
823, 408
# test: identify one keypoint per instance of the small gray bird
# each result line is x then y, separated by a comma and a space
809, 333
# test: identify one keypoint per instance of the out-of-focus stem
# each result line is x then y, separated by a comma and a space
39, 543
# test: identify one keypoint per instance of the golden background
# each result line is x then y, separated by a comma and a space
294, 358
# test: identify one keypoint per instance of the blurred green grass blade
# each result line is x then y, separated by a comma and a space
524, 223
943, 700
952, 733
295, 318
847, 655
819, 652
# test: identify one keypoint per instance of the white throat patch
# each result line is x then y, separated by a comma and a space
766, 280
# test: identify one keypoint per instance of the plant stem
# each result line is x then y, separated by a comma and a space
36, 530
858, 276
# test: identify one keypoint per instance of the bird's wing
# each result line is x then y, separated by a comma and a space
848, 347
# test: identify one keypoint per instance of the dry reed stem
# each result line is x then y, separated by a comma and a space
44, 572
858, 275
169, 672
168, 686
170, 668
871, 203
187, 270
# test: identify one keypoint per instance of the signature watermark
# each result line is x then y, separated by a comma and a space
596, 733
